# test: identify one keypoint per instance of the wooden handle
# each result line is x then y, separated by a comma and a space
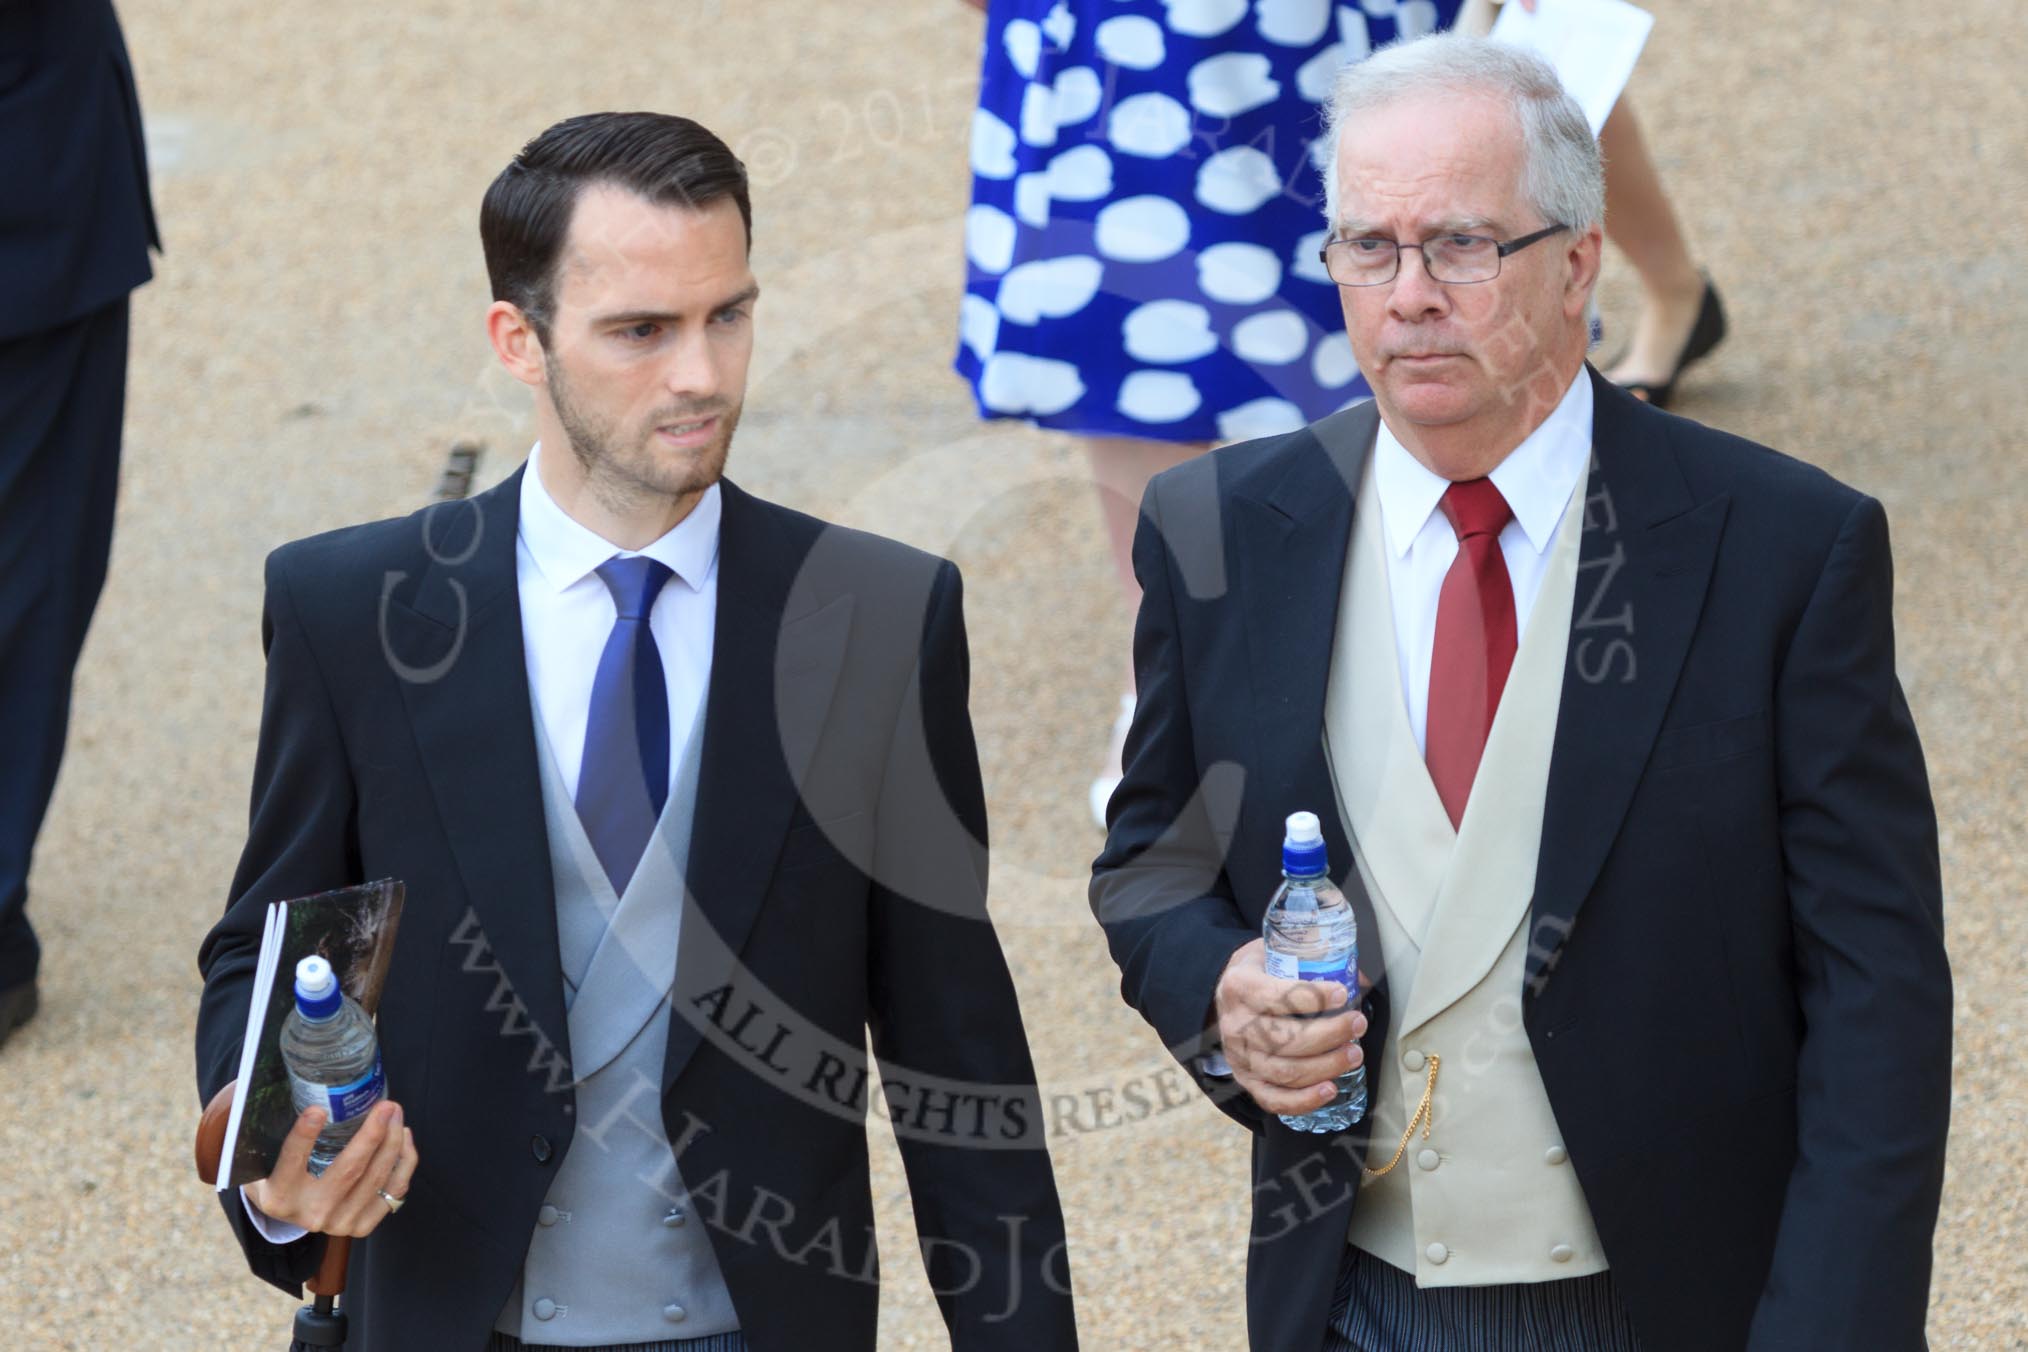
330, 1278
211, 1133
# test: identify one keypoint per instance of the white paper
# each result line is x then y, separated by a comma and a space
257, 1011
1593, 45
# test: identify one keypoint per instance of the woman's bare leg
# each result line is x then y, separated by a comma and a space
1120, 469
1641, 222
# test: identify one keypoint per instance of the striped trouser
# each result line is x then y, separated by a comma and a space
715, 1342
1379, 1308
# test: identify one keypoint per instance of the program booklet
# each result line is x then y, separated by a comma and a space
353, 929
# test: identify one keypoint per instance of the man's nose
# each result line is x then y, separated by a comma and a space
1414, 294
692, 371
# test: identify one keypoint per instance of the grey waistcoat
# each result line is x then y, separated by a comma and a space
616, 1257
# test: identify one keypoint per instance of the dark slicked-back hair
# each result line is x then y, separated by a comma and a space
527, 211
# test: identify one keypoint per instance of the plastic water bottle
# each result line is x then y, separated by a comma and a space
1312, 935
333, 1059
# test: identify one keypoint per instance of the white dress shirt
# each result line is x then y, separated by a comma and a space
567, 614
1537, 479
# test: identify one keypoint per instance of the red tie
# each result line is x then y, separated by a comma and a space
1475, 639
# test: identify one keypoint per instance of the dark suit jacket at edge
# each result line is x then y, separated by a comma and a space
1737, 989
75, 217
397, 740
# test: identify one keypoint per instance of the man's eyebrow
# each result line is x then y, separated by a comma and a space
1443, 225
624, 318
750, 294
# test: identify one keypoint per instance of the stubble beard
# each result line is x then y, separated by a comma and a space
622, 471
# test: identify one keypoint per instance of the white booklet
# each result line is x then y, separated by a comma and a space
354, 929
1593, 45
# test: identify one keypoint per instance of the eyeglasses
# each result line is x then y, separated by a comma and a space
1453, 259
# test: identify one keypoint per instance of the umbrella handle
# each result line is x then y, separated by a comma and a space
330, 1277
211, 1132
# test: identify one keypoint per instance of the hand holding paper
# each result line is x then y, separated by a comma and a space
346, 1199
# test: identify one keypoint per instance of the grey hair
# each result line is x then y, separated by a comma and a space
1563, 174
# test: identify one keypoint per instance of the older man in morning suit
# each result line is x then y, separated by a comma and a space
1599, 709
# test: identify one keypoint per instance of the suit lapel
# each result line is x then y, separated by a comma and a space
1398, 823
764, 661
1291, 544
1644, 563
457, 646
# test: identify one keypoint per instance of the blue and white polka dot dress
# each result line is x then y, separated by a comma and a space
1141, 249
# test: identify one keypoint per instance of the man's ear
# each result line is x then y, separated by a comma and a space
516, 343
1585, 255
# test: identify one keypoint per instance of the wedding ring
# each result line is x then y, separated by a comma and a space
393, 1203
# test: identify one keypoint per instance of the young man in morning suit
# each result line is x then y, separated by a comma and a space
1599, 709
683, 789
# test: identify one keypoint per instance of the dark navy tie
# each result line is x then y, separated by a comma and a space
624, 779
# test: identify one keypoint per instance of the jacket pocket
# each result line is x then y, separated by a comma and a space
1704, 743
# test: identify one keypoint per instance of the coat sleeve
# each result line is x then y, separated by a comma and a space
945, 1023
1159, 887
1859, 844
300, 840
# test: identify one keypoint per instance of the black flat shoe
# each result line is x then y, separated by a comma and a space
17, 1006
1708, 332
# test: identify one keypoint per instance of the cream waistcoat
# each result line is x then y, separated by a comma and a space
1489, 1196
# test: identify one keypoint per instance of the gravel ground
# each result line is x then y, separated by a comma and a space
1851, 175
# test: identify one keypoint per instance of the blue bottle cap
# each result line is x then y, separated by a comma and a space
317, 993
1303, 852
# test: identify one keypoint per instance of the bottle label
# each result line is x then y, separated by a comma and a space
1341, 968
342, 1102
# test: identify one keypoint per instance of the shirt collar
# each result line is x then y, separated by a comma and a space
566, 551
1536, 478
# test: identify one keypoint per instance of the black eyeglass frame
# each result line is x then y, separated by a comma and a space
1500, 251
